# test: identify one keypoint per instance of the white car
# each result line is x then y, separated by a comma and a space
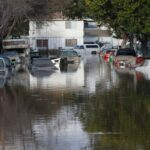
87, 49
145, 68
92, 48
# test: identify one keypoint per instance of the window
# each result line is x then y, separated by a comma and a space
42, 43
71, 42
70, 25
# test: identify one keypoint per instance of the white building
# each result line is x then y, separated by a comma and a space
56, 33
93, 32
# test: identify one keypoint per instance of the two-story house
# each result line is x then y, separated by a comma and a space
55, 33
93, 32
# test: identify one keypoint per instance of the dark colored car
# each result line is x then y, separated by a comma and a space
13, 56
41, 67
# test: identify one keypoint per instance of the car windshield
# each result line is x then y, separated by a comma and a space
11, 53
68, 54
42, 62
79, 47
126, 52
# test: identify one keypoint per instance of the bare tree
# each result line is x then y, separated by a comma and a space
13, 10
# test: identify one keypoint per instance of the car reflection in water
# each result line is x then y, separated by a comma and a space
70, 76
41, 67
4, 71
69, 67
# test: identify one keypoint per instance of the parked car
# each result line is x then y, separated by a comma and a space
3, 68
41, 67
13, 56
7, 61
92, 48
127, 57
87, 49
69, 56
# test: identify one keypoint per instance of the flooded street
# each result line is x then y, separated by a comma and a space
86, 106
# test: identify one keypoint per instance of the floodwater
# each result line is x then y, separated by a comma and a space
86, 106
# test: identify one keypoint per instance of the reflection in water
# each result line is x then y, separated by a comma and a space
61, 80
90, 108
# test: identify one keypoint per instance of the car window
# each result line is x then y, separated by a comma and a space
126, 52
76, 47
92, 46
81, 47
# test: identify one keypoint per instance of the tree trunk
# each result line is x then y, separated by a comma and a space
11, 27
131, 40
124, 41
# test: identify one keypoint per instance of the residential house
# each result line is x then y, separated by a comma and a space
93, 32
55, 33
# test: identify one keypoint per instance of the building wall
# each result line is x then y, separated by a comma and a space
56, 32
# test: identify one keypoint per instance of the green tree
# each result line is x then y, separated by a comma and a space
75, 9
130, 18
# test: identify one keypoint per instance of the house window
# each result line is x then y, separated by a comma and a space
71, 42
70, 25
42, 43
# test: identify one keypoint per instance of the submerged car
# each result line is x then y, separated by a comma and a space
3, 68
127, 57
41, 67
13, 56
69, 56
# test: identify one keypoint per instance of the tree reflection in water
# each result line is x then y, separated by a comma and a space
72, 119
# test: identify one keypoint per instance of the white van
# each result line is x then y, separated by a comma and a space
92, 48
87, 49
